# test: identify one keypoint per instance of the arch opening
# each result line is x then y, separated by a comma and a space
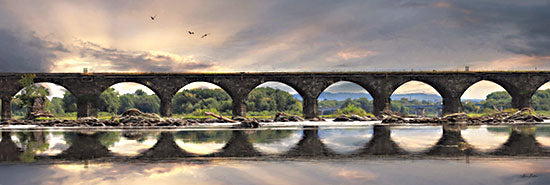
43, 98
196, 98
485, 97
416, 98
345, 97
541, 99
271, 97
127, 95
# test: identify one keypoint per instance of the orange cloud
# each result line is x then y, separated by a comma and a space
514, 63
442, 5
352, 54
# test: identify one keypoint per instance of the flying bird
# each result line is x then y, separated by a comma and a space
190, 32
153, 17
205, 35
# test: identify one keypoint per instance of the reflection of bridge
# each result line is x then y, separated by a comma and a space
84, 146
87, 87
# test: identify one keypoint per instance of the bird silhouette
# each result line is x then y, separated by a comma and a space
153, 17
205, 35
190, 32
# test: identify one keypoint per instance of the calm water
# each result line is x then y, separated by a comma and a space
327, 154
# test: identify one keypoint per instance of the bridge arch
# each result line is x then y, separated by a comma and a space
121, 96
54, 90
357, 96
280, 97
541, 98
417, 97
475, 99
200, 96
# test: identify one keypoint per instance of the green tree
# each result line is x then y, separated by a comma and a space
109, 101
69, 102
30, 92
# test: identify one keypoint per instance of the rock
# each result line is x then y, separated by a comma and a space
250, 123
393, 119
283, 117
131, 112
342, 117
317, 119
456, 117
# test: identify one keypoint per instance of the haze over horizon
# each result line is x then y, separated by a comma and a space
283, 35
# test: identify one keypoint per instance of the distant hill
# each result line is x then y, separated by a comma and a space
344, 96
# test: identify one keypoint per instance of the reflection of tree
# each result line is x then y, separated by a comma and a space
237, 146
310, 145
31, 143
88, 146
165, 147
8, 149
381, 143
448, 144
522, 141
216, 136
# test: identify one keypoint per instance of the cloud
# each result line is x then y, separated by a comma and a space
522, 26
114, 59
26, 52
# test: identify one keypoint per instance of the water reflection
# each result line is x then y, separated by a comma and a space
8, 149
84, 146
28, 146
237, 146
381, 143
521, 142
310, 145
165, 147
449, 143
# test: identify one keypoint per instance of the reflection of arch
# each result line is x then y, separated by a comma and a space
267, 83
165, 147
310, 145
448, 144
237, 146
381, 143
85, 146
8, 149
522, 141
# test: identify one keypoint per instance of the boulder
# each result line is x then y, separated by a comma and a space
283, 117
342, 117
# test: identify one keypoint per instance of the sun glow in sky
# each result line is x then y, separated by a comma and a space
280, 35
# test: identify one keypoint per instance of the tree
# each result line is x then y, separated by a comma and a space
69, 102
109, 101
30, 92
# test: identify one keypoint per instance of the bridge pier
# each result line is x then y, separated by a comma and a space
87, 106
451, 105
239, 106
381, 103
521, 101
310, 107
6, 108
165, 107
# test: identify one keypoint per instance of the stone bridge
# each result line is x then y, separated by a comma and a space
87, 87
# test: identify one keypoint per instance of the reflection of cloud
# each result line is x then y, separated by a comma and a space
416, 139
200, 148
57, 145
131, 147
345, 141
280, 146
356, 175
484, 140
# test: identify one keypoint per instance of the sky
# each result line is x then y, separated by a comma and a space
274, 35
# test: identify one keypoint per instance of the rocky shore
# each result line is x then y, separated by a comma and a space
521, 116
136, 118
